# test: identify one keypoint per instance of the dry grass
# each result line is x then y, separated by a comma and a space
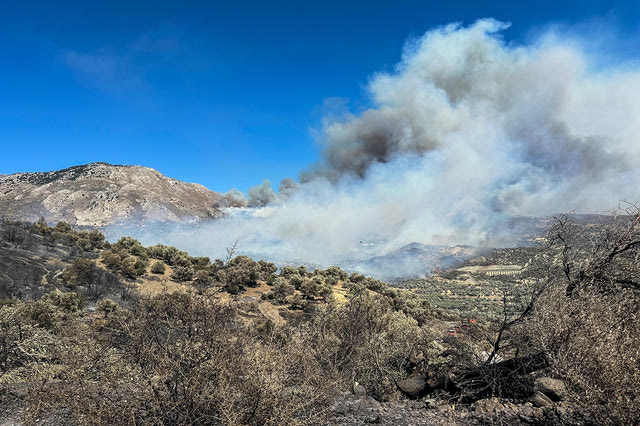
340, 293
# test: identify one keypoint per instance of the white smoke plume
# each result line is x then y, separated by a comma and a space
465, 133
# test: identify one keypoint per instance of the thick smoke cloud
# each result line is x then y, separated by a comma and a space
467, 132
458, 83
261, 195
287, 187
232, 198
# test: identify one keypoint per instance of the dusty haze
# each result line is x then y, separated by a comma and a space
466, 132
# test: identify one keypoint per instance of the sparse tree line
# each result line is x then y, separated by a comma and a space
295, 286
21, 233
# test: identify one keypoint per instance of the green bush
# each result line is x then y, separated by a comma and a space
203, 280
182, 269
314, 288
240, 273
132, 267
65, 234
158, 267
107, 306
82, 272
282, 289
112, 259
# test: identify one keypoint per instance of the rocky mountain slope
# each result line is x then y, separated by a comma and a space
99, 194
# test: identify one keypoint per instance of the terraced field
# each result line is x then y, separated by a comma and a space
478, 287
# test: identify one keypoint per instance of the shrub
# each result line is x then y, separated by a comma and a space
267, 269
591, 341
182, 269
112, 259
296, 301
312, 288
107, 306
203, 280
66, 302
138, 250
157, 251
158, 267
281, 289
182, 273
200, 263
586, 320
240, 273
287, 271
356, 277
133, 268
82, 272
62, 227
296, 280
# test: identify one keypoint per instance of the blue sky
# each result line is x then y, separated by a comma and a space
224, 93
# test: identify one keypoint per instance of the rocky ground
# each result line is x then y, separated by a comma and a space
352, 409
547, 406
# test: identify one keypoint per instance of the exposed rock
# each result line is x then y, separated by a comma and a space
541, 400
526, 413
530, 414
100, 194
552, 388
563, 413
483, 356
413, 386
352, 410
359, 390
489, 405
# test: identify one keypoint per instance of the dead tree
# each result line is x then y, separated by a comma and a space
604, 257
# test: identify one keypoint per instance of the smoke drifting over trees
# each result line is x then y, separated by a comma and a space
467, 131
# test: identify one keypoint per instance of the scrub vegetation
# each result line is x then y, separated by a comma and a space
239, 341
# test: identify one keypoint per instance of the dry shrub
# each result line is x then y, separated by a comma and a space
187, 358
587, 320
364, 341
592, 341
174, 359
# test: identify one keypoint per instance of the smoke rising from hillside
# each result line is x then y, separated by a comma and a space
465, 133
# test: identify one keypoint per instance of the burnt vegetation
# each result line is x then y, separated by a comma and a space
240, 341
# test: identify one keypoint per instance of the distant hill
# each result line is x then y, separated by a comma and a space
99, 194
415, 260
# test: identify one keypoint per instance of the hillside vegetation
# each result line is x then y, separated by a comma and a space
99, 333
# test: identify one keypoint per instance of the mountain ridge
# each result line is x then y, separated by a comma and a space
100, 194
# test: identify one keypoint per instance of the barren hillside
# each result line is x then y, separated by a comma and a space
99, 194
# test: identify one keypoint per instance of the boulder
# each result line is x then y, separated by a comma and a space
541, 400
413, 386
359, 390
555, 389
526, 413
